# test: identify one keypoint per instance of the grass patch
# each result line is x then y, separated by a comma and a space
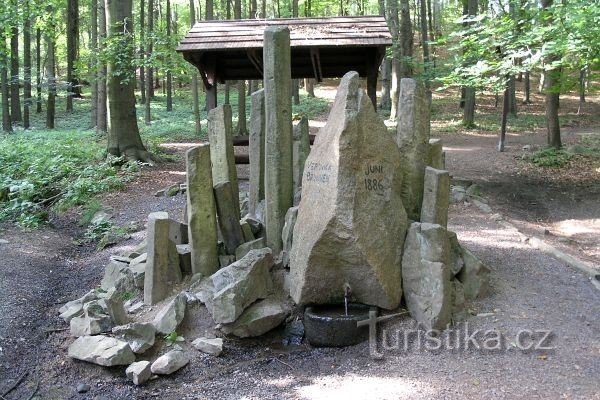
550, 157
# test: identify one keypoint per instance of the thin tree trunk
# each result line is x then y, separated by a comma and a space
94, 59
169, 85
469, 92
430, 20
527, 88
123, 134
394, 25
195, 99
51, 78
149, 74
504, 118
241, 85
72, 39
295, 82
26, 64
142, 52
6, 122
102, 124
437, 18
552, 93
15, 92
425, 44
406, 41
582, 87
512, 96
38, 70
386, 71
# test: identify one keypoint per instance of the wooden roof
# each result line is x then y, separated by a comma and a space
320, 47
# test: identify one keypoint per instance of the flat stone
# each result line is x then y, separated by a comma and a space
141, 259
213, 347
256, 150
185, 258
436, 197
168, 319
279, 191
351, 221
229, 222
245, 248
221, 151
427, 276
412, 138
139, 372
169, 363
237, 286
114, 271
287, 235
4, 241
101, 350
83, 388
202, 212
259, 318
474, 276
88, 326
162, 266
458, 194
139, 335
74, 308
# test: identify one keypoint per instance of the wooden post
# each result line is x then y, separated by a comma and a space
211, 96
372, 70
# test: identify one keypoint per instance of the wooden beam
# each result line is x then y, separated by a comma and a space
255, 60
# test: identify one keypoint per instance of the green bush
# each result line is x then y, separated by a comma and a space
550, 157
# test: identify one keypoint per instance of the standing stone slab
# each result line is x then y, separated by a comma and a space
300, 150
279, 194
436, 154
427, 275
202, 220
162, 265
474, 276
412, 138
436, 197
256, 150
229, 222
287, 236
351, 222
221, 150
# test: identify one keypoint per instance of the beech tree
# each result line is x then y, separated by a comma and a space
123, 132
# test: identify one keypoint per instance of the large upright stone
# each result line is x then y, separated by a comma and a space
229, 222
300, 150
162, 265
427, 275
436, 154
351, 222
256, 150
222, 156
202, 220
279, 194
412, 138
436, 197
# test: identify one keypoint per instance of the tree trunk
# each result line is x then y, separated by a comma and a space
38, 70
51, 78
504, 118
102, 124
123, 133
27, 101
241, 85
6, 122
512, 96
582, 87
437, 18
386, 71
149, 74
15, 92
142, 54
72, 40
469, 92
406, 40
430, 20
169, 85
94, 59
552, 92
526, 88
425, 44
394, 25
195, 99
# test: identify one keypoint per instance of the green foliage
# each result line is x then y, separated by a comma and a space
52, 171
173, 338
309, 107
550, 157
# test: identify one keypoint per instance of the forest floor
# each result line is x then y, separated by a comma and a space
531, 293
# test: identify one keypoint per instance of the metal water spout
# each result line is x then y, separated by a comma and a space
347, 294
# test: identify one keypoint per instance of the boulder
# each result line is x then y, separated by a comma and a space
101, 350
427, 275
245, 248
88, 326
170, 362
168, 319
139, 372
185, 258
237, 286
259, 318
474, 276
138, 272
213, 347
351, 221
139, 335
115, 307
74, 308
114, 271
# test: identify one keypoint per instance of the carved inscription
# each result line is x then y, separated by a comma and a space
375, 180
318, 172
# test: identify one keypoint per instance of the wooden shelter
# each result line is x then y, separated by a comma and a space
320, 48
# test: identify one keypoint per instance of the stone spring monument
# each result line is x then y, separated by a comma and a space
350, 237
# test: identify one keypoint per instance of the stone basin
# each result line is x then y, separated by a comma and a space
328, 326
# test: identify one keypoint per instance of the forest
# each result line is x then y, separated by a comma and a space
61, 60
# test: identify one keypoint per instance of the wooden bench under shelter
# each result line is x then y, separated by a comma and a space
320, 48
